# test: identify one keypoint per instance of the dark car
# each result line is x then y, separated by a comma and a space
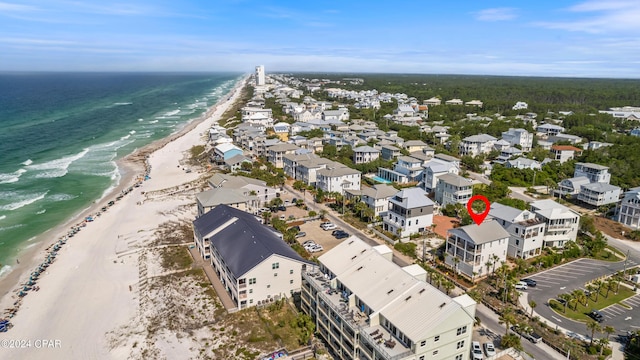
341, 235
596, 315
282, 208
530, 282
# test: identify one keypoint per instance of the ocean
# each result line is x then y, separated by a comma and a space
61, 134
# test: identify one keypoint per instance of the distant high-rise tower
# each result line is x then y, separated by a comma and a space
260, 75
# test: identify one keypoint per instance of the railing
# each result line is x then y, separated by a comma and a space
382, 351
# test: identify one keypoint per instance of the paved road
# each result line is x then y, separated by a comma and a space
518, 193
489, 320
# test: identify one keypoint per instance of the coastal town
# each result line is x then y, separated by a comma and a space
281, 200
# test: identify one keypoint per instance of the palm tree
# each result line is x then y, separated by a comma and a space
598, 284
608, 330
507, 318
574, 299
448, 286
566, 298
488, 265
494, 260
533, 306
609, 284
456, 261
603, 342
593, 326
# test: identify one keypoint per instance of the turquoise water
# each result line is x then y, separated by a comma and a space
62, 133
380, 180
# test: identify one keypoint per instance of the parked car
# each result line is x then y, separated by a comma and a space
530, 282
596, 315
489, 349
521, 285
315, 248
533, 337
328, 226
476, 351
341, 235
282, 208
301, 234
282, 217
308, 242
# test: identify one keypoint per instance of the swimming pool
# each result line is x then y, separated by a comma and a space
380, 180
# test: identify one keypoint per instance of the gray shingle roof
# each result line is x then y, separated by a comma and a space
244, 243
486, 232
412, 198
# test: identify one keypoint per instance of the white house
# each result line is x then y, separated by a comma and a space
561, 223
470, 248
520, 105
254, 264
377, 197
564, 153
572, 185
406, 169
629, 209
337, 178
477, 144
410, 212
276, 152
374, 309
598, 194
520, 137
526, 232
593, 172
453, 189
435, 168
434, 101
523, 163
547, 130
365, 154
454, 102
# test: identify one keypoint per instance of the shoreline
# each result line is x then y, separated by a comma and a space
132, 168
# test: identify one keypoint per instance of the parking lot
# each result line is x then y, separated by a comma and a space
321, 237
575, 275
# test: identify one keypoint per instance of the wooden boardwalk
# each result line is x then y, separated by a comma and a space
223, 295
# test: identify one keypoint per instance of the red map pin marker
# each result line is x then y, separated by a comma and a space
478, 218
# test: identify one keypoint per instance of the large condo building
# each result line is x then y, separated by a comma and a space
366, 307
260, 75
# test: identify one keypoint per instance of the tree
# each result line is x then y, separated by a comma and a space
598, 285
609, 285
604, 342
507, 318
609, 330
448, 286
533, 306
566, 298
593, 326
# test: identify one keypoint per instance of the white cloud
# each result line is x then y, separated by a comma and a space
600, 17
16, 7
496, 14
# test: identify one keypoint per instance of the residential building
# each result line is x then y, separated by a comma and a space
477, 144
453, 189
549, 129
598, 194
246, 185
526, 231
259, 76
477, 103
454, 102
276, 152
410, 212
593, 172
290, 163
389, 152
406, 169
437, 167
628, 212
365, 154
366, 307
254, 264
235, 162
210, 199
520, 105
564, 153
225, 151
520, 137
572, 139
341, 114
561, 223
307, 170
522, 163
337, 178
377, 197
434, 101
469, 248
572, 185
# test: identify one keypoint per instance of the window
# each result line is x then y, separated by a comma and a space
460, 344
461, 330
268, 286
423, 343
275, 274
250, 291
252, 281
421, 357
435, 352
290, 281
437, 338
291, 271
275, 266
250, 301
459, 357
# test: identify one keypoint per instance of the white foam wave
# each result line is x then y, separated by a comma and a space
122, 103
2, 217
24, 201
132, 132
27, 162
41, 212
141, 119
125, 137
11, 177
58, 167
61, 197
153, 121
11, 227
171, 113
5, 270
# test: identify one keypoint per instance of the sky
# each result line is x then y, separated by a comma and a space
595, 38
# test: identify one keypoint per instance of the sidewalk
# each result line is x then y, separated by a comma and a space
222, 293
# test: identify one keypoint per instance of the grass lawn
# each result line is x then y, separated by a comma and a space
580, 314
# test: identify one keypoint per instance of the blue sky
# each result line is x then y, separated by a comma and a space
533, 38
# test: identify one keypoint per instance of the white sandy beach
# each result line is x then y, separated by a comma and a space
91, 288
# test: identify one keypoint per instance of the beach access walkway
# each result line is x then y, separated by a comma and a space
223, 295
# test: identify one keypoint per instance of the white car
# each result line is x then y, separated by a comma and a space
489, 349
521, 285
314, 248
328, 226
476, 351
